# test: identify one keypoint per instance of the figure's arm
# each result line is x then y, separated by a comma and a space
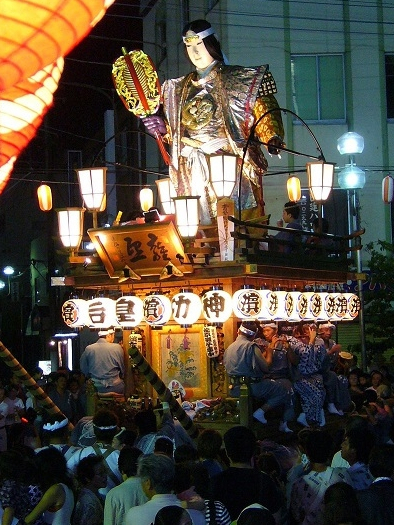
335, 349
8, 516
154, 124
54, 496
270, 129
261, 363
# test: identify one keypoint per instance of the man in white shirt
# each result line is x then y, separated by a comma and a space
157, 473
105, 426
129, 493
16, 407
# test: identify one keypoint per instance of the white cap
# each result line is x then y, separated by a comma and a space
106, 332
327, 325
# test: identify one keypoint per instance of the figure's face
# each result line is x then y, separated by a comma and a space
268, 333
116, 444
353, 379
376, 379
197, 52
61, 382
325, 333
363, 381
347, 452
99, 480
286, 216
110, 337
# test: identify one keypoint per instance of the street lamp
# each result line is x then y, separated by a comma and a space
352, 179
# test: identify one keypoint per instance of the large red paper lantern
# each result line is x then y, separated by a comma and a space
35, 33
22, 109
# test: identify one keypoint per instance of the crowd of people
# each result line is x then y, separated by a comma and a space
319, 477
302, 371
152, 472
74, 469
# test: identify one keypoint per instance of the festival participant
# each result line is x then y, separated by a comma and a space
157, 473
244, 363
290, 215
57, 502
242, 484
336, 386
213, 109
309, 383
105, 426
307, 492
283, 362
103, 363
129, 493
91, 475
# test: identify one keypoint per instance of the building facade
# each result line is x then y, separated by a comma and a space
334, 67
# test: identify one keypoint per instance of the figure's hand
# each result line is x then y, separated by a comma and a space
154, 125
274, 144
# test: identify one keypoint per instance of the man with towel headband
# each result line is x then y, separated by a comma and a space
245, 364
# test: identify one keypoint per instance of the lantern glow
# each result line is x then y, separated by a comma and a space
166, 191
320, 177
92, 185
223, 173
35, 33
186, 307
71, 226
44, 194
187, 216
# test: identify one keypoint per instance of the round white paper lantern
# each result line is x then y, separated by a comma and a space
264, 315
316, 306
340, 307
217, 305
186, 307
276, 305
330, 306
247, 303
303, 305
353, 306
294, 303
101, 312
129, 311
75, 313
157, 309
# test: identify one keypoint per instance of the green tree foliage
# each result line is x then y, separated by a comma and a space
379, 299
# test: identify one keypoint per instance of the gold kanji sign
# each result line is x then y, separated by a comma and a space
145, 248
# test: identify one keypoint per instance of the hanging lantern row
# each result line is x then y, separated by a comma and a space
216, 306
